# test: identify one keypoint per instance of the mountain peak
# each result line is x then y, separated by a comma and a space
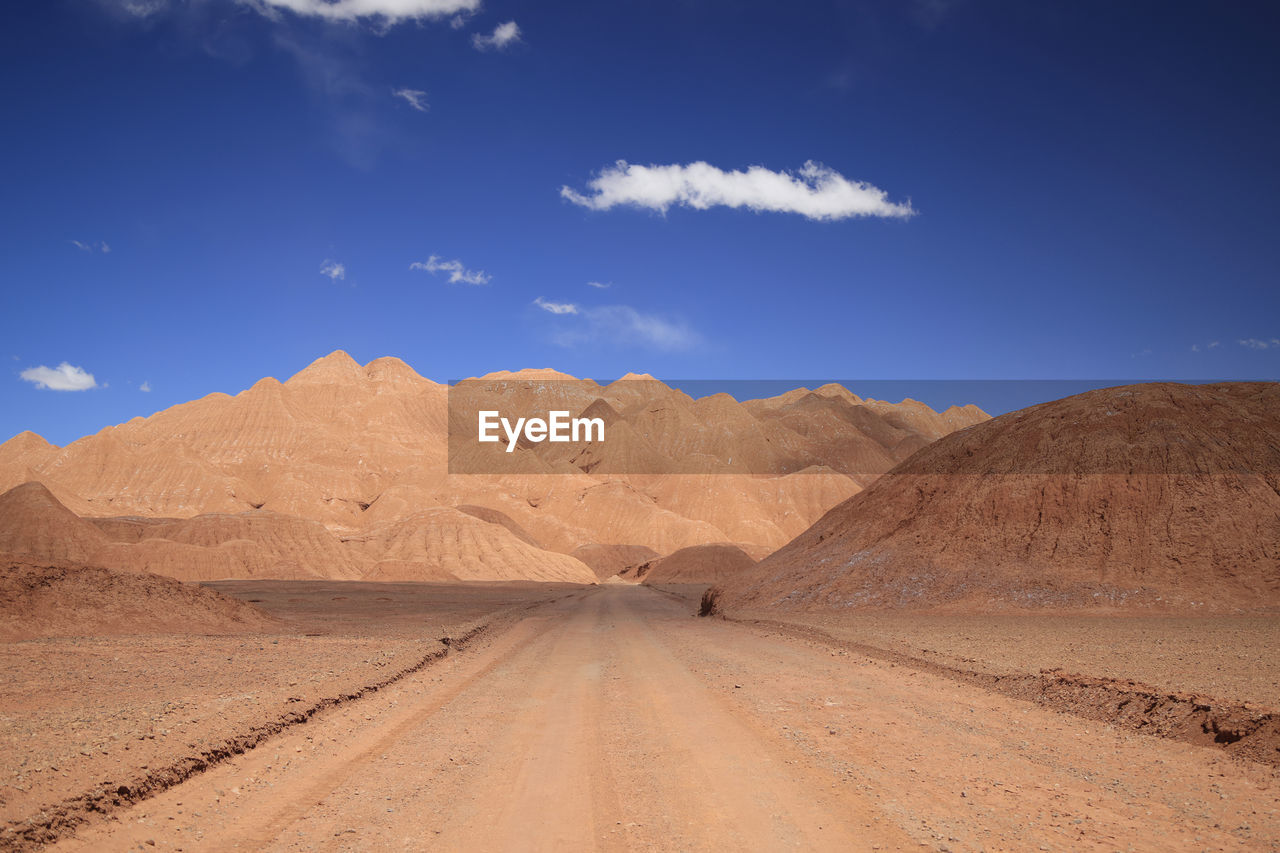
36, 524
27, 442
391, 370
335, 367
31, 492
835, 389
542, 373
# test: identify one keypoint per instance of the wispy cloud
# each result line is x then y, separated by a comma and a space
458, 273
352, 109
387, 12
502, 37
144, 8
620, 325
91, 246
145, 387
334, 270
1257, 344
556, 307
64, 377
383, 13
332, 61
815, 192
601, 285
415, 98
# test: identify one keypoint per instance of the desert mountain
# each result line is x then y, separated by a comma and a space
714, 563
34, 523
58, 601
437, 544
445, 543
609, 560
1148, 495
298, 478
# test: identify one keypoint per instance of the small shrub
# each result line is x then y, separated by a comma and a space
710, 602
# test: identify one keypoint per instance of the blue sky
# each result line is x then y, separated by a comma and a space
1000, 190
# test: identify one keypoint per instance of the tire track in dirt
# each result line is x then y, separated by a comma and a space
334, 769
722, 780
546, 760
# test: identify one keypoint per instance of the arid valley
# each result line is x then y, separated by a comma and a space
483, 426
277, 620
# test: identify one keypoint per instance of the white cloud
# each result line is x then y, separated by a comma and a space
602, 285
64, 377
457, 272
383, 11
503, 36
334, 270
91, 246
815, 192
556, 307
1215, 344
1254, 343
145, 387
416, 98
622, 325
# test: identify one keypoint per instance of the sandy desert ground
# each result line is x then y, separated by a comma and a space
1229, 657
610, 717
89, 722
993, 646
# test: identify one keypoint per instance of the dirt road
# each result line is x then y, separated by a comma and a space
614, 720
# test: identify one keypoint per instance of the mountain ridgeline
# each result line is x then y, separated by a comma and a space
342, 472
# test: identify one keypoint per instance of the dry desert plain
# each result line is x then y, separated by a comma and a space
278, 621
610, 717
